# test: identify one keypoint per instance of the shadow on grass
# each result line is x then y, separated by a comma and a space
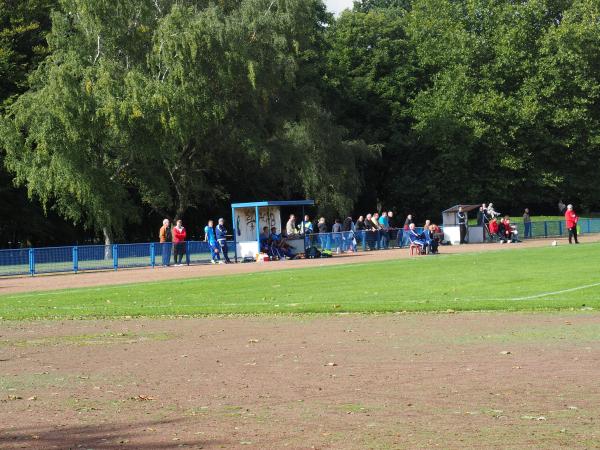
149, 434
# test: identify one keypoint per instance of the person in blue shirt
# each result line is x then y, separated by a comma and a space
221, 233
209, 236
280, 245
417, 238
264, 239
385, 230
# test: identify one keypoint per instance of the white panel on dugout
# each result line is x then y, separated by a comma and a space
245, 222
452, 234
247, 249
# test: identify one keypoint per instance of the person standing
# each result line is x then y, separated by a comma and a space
571, 219
407, 222
527, 223
323, 236
336, 235
385, 230
480, 214
164, 237
306, 227
348, 237
462, 223
221, 233
209, 236
179, 235
290, 227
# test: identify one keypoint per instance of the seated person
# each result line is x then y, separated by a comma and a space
436, 231
280, 245
432, 239
494, 228
417, 238
265, 240
509, 231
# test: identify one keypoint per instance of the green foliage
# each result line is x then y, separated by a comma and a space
183, 106
498, 100
173, 103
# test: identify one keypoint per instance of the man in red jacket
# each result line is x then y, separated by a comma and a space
179, 235
571, 219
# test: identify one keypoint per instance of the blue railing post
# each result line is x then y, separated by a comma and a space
152, 254
363, 234
589, 225
32, 261
75, 259
545, 229
560, 228
187, 252
115, 256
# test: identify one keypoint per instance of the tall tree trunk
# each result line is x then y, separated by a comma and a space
107, 243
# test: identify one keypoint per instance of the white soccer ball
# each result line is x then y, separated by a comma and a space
554, 243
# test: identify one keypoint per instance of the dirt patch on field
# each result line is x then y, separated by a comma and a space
341, 381
126, 276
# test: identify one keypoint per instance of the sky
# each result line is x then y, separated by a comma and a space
335, 6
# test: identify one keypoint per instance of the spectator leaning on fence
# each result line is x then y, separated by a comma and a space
221, 232
164, 236
336, 235
322, 228
348, 237
571, 219
179, 235
384, 224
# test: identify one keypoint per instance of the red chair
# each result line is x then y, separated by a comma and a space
415, 247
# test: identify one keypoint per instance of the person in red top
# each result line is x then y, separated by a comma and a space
493, 225
179, 235
571, 219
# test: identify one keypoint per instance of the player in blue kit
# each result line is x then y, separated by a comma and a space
209, 236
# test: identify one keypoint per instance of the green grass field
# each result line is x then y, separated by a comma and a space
549, 278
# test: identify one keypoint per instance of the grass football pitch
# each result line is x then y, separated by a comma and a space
548, 278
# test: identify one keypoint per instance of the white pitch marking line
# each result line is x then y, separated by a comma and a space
548, 294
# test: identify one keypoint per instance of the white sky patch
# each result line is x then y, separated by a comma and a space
337, 6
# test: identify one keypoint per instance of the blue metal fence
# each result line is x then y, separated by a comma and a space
31, 261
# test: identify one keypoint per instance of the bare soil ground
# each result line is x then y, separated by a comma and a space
340, 381
126, 276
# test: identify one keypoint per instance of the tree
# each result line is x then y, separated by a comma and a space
159, 102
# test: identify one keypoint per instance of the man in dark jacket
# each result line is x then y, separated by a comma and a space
461, 216
221, 233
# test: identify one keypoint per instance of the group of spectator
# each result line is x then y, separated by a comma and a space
175, 238
275, 244
374, 231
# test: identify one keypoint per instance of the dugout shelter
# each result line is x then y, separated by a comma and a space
249, 218
475, 233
